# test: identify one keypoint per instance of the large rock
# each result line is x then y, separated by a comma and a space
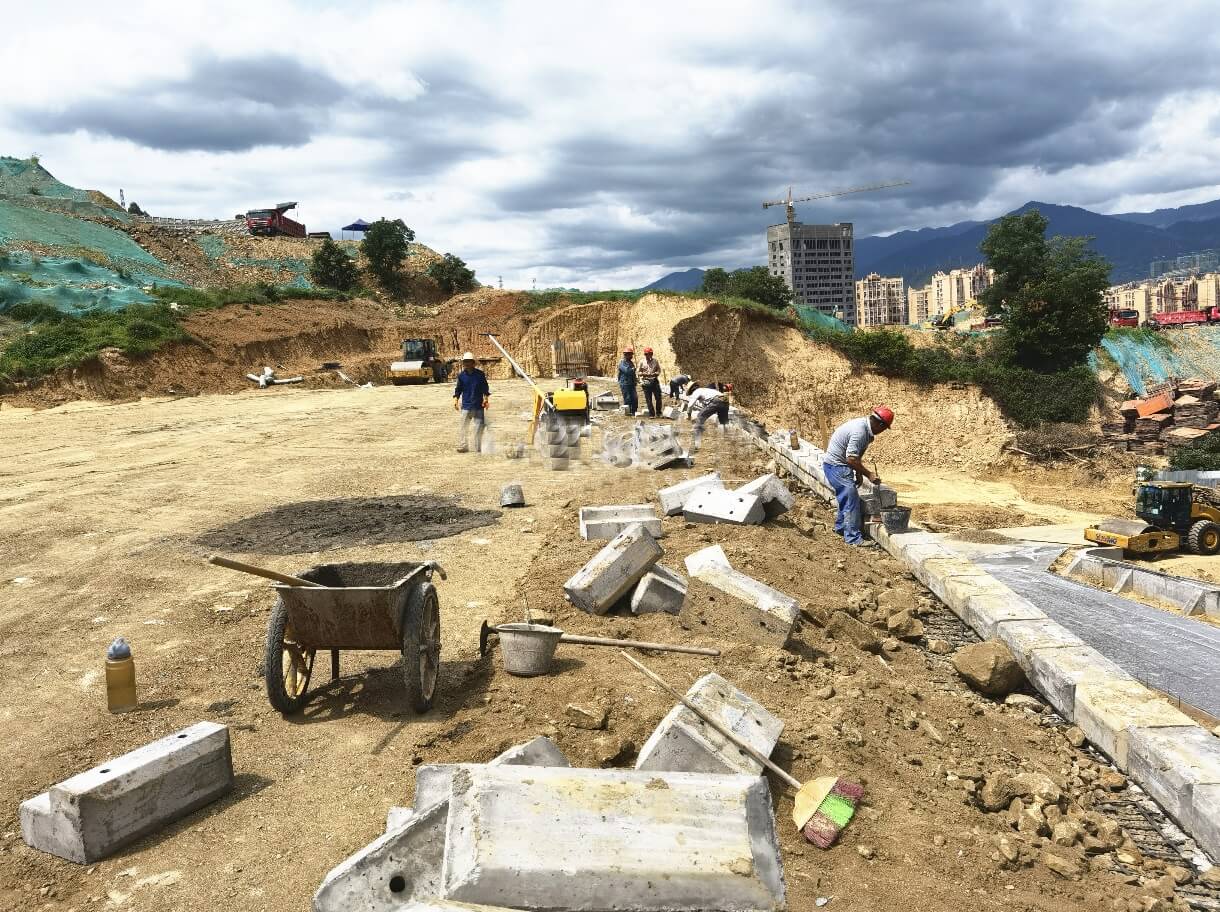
903, 626
989, 668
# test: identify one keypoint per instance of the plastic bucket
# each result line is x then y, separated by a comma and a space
896, 519
527, 649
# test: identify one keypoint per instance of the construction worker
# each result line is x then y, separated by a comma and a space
706, 402
627, 380
650, 382
471, 396
677, 385
844, 468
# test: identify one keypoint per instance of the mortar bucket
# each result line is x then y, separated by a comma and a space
896, 519
527, 649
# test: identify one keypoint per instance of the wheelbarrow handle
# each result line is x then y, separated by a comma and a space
263, 572
437, 568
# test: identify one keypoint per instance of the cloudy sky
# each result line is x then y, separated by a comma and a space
602, 144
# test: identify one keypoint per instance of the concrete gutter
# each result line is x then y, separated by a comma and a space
1161, 749
1105, 568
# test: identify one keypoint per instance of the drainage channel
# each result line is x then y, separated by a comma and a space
1150, 829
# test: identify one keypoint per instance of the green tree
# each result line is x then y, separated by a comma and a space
452, 274
1050, 292
333, 268
386, 245
757, 284
715, 281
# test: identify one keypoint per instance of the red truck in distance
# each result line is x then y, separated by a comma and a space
1124, 317
1184, 318
274, 221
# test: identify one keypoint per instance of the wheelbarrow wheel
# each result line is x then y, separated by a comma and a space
287, 665
421, 645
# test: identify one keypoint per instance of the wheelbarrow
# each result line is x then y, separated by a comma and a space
351, 606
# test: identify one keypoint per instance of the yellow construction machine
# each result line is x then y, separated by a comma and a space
560, 415
1171, 516
420, 364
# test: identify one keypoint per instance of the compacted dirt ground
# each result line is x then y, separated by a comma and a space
108, 513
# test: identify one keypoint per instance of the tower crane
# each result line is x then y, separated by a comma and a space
788, 200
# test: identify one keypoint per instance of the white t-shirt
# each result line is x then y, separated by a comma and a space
702, 396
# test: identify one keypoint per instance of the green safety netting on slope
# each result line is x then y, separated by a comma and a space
814, 318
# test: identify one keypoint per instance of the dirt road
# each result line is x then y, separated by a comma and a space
107, 514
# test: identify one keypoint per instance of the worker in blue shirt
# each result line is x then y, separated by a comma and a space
471, 396
627, 381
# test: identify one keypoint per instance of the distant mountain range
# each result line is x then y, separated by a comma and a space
1129, 240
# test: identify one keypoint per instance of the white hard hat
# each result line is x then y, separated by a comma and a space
469, 356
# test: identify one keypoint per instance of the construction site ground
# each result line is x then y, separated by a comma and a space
107, 515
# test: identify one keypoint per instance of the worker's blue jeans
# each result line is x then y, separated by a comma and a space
848, 518
630, 398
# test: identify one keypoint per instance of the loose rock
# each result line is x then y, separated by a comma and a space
592, 718
989, 668
1061, 865
940, 647
1075, 737
903, 626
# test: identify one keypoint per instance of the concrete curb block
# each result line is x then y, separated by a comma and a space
1095, 567
1157, 746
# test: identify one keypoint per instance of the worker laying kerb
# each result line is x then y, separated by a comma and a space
706, 402
844, 469
471, 396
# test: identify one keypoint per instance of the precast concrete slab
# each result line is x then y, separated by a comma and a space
539, 751
987, 610
710, 506
684, 742
1107, 711
773, 613
674, 497
397, 816
1170, 763
774, 494
709, 558
1056, 671
661, 590
604, 523
614, 840
444, 905
613, 571
432, 780
1023, 637
1201, 818
95, 813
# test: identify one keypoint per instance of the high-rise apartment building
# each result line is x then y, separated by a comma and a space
817, 262
917, 305
947, 292
880, 301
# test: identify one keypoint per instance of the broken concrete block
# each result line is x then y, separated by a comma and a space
677, 457
674, 497
540, 751
614, 839
432, 780
724, 507
613, 570
774, 613
684, 742
709, 558
661, 589
774, 494
95, 813
603, 523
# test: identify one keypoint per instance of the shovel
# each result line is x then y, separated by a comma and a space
808, 796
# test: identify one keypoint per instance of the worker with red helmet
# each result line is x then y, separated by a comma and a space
845, 469
650, 383
627, 381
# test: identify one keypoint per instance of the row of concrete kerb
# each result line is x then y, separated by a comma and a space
1164, 751
1105, 568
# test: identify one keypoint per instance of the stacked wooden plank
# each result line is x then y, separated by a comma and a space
1193, 412
1171, 415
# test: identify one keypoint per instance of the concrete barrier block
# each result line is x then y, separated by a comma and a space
710, 558
773, 613
774, 494
661, 590
614, 839
1201, 818
1107, 711
671, 412
603, 523
611, 573
685, 743
1169, 763
401, 866
1023, 637
985, 611
1056, 672
708, 506
95, 813
432, 780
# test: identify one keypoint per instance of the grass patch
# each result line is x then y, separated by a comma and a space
257, 293
52, 339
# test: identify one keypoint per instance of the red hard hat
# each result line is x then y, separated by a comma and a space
884, 415
648, 351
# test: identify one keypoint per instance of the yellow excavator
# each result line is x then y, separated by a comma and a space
1171, 516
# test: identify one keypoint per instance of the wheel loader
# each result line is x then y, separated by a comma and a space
1171, 516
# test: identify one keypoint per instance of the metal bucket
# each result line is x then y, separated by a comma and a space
896, 519
527, 649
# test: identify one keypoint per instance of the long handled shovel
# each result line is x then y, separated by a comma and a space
809, 797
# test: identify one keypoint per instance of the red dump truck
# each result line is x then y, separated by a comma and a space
1124, 317
1184, 318
274, 221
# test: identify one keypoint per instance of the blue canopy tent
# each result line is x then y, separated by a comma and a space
359, 225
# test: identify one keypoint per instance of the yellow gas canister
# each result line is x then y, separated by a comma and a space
120, 677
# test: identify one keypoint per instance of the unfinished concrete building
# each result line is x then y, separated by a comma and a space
817, 262
880, 301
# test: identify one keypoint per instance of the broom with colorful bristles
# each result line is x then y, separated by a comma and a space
822, 807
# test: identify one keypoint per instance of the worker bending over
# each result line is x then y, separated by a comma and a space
844, 468
705, 402
677, 386
471, 396
626, 382
650, 382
